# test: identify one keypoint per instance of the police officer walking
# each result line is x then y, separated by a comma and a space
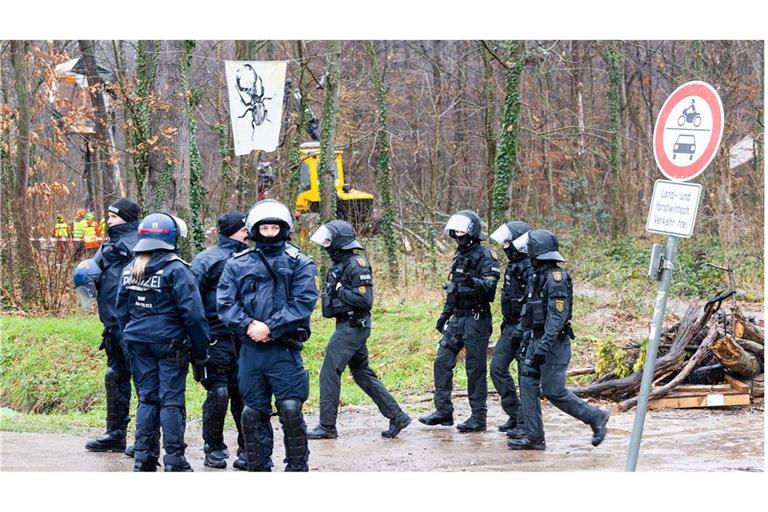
547, 315
465, 322
511, 236
109, 262
223, 345
161, 315
267, 294
348, 297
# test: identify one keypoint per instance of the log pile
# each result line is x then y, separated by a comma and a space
730, 346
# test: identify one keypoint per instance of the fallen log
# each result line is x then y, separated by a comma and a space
757, 387
735, 358
692, 326
579, 371
692, 363
752, 346
743, 328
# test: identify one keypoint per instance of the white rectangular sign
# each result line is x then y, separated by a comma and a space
255, 103
673, 208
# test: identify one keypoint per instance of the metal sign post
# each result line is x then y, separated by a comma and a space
667, 263
685, 140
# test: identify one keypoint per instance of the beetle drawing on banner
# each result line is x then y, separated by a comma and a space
250, 87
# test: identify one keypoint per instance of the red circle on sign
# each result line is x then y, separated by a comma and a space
688, 172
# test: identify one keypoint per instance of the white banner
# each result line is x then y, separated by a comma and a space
255, 103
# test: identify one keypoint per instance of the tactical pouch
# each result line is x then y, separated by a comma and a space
294, 340
511, 309
180, 353
450, 289
527, 317
537, 313
327, 305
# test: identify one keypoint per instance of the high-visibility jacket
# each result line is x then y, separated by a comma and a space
61, 230
77, 228
90, 235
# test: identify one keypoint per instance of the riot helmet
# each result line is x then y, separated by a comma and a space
269, 211
513, 236
86, 277
160, 231
467, 221
339, 235
543, 246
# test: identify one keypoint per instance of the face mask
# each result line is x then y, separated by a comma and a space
463, 241
512, 253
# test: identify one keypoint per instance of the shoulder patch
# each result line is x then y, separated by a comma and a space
361, 261
292, 251
243, 252
493, 254
560, 305
557, 275
361, 290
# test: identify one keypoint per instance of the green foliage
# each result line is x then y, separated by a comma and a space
610, 357
506, 159
138, 128
197, 193
590, 211
328, 132
222, 137
640, 361
615, 75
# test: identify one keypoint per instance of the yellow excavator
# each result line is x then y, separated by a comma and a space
354, 206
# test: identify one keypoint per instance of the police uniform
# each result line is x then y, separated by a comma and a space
223, 346
546, 317
163, 321
348, 297
111, 258
508, 346
273, 283
467, 323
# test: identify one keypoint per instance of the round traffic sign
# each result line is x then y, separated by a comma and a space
688, 131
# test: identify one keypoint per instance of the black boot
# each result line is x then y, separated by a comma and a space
396, 425
518, 432
130, 451
109, 441
599, 428
176, 462
146, 464
437, 418
473, 424
241, 462
508, 425
215, 458
527, 443
322, 432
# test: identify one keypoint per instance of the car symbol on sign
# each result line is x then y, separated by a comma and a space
684, 145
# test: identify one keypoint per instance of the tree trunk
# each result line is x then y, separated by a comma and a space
24, 266
488, 132
384, 168
735, 358
745, 329
506, 159
328, 133
614, 94
168, 173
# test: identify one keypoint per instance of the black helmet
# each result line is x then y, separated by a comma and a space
467, 221
510, 231
543, 246
339, 232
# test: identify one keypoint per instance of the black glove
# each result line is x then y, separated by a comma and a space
463, 280
442, 321
539, 357
199, 370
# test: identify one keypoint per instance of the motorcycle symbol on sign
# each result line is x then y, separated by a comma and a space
690, 115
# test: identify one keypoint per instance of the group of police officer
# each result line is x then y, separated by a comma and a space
240, 315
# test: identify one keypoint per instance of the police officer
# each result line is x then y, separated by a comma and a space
161, 315
266, 294
465, 322
348, 297
546, 316
511, 236
223, 346
111, 258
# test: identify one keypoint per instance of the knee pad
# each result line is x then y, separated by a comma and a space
111, 377
252, 416
290, 413
219, 396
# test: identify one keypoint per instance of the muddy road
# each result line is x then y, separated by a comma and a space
728, 439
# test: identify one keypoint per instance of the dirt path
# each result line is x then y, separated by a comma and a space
675, 440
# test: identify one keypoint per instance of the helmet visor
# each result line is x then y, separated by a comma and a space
458, 223
86, 295
269, 210
501, 235
183, 230
320, 236
521, 243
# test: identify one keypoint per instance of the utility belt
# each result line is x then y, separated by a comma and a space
180, 352
359, 319
294, 340
477, 312
567, 330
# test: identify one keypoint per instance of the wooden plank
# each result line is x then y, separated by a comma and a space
703, 388
736, 383
710, 400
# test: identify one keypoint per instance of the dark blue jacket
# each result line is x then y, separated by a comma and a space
247, 290
164, 307
207, 267
112, 257
514, 289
